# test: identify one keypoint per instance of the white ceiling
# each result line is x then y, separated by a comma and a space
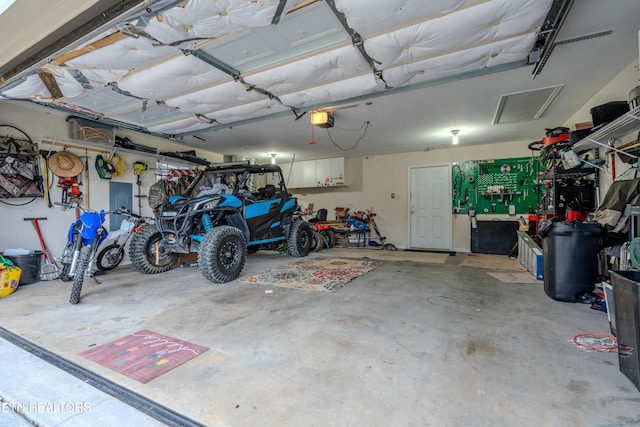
307, 61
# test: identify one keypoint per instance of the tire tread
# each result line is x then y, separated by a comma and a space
208, 254
104, 266
78, 278
138, 251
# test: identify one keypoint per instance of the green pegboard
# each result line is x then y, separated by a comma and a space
502, 186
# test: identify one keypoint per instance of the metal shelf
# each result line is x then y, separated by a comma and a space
110, 149
557, 173
614, 130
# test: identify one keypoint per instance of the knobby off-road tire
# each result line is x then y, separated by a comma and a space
142, 252
64, 274
110, 257
317, 242
78, 278
331, 237
66, 267
300, 238
222, 254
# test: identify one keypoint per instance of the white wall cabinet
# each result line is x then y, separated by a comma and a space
316, 173
309, 173
297, 174
331, 172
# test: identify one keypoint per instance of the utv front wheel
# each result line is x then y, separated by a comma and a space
222, 254
145, 252
300, 238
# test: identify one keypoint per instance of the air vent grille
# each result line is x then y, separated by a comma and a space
524, 106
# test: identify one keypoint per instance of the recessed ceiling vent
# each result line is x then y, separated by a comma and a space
523, 106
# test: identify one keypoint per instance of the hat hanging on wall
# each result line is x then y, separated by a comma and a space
65, 164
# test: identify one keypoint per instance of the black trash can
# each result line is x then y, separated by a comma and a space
626, 295
570, 254
30, 265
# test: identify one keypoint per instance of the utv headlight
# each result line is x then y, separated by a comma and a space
210, 205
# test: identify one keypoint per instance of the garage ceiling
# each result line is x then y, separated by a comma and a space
242, 77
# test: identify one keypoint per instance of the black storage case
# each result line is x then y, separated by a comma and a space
494, 237
570, 253
30, 265
626, 295
578, 135
605, 113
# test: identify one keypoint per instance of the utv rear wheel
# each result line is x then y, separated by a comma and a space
300, 238
222, 254
145, 252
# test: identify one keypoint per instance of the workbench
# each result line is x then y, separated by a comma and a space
360, 235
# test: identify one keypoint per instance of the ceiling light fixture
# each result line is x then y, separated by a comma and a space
323, 119
273, 158
454, 138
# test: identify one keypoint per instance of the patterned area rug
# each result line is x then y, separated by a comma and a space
144, 355
320, 274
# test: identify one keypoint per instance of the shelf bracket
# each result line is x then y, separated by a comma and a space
595, 166
607, 145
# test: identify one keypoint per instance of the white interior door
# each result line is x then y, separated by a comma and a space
430, 218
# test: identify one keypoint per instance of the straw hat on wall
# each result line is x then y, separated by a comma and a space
65, 164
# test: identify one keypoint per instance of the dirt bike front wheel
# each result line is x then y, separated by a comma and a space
78, 278
110, 257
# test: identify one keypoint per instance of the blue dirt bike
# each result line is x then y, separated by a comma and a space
83, 239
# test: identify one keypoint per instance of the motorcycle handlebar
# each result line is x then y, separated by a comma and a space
122, 211
69, 206
126, 212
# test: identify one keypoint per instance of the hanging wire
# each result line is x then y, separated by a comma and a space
365, 125
353, 130
458, 180
18, 204
293, 159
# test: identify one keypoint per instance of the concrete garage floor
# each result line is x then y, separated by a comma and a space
407, 344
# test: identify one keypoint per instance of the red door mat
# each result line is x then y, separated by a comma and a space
144, 355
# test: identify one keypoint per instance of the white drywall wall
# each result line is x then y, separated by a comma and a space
15, 232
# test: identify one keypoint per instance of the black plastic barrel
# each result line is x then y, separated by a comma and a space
626, 295
570, 251
30, 265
